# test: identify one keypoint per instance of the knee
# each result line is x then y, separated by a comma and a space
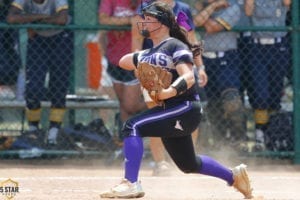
32, 103
191, 168
130, 108
188, 170
58, 103
127, 129
125, 105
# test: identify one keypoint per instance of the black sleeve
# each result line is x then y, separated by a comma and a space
135, 59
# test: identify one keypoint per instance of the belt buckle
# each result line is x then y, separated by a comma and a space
265, 41
278, 40
221, 54
210, 54
246, 34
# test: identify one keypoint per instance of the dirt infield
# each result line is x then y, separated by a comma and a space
85, 179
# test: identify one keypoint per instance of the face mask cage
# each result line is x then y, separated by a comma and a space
162, 17
146, 32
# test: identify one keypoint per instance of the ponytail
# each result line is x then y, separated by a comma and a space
179, 33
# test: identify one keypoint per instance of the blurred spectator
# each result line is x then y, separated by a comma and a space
184, 18
125, 84
10, 60
288, 22
221, 57
269, 62
244, 48
48, 51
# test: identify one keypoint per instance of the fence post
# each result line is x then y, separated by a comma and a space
71, 113
296, 75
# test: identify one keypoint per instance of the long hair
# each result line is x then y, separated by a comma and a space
164, 14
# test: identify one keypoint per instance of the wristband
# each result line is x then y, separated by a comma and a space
201, 67
179, 85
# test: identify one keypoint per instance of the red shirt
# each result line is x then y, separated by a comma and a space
119, 42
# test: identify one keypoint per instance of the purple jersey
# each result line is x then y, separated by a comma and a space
167, 55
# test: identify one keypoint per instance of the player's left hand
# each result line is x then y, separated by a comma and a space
203, 79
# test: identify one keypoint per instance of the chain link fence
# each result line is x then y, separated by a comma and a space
250, 87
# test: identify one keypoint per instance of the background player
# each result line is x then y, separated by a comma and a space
47, 51
266, 73
225, 110
118, 43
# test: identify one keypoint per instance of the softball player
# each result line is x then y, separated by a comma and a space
10, 60
125, 84
178, 118
221, 57
185, 20
268, 62
244, 48
47, 51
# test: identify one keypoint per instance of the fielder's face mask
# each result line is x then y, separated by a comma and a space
154, 11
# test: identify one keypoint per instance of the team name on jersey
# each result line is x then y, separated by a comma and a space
157, 59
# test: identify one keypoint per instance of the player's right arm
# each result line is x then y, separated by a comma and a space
249, 7
17, 16
126, 62
107, 17
287, 2
201, 18
224, 21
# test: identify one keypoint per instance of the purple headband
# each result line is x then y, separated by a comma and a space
182, 21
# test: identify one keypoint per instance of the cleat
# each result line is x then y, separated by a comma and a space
241, 181
52, 135
124, 190
162, 169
